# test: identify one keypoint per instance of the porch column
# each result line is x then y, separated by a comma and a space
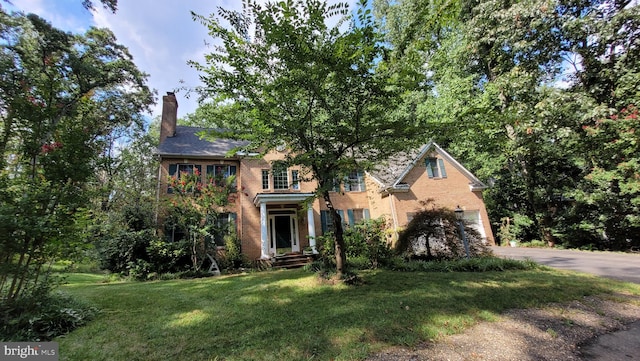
311, 227
264, 242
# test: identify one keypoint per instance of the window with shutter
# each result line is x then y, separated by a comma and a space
355, 182
357, 215
219, 173
172, 172
435, 168
175, 170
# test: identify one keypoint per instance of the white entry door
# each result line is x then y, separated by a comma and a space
283, 232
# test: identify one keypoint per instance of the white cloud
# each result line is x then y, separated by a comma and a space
160, 35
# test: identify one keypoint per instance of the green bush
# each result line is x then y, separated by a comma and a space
168, 257
42, 315
477, 264
232, 258
366, 246
138, 253
368, 240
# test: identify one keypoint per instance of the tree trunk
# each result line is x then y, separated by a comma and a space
338, 232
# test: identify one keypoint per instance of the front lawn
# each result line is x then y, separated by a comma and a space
291, 315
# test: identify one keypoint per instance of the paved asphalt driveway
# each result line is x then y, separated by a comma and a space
619, 266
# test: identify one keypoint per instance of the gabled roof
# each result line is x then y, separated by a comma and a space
187, 143
391, 175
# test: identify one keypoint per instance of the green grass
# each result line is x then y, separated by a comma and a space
291, 315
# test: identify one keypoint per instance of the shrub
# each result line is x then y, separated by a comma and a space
231, 258
167, 257
433, 234
477, 264
139, 253
368, 240
325, 245
42, 315
366, 247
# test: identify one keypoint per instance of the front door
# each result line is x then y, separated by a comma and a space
283, 232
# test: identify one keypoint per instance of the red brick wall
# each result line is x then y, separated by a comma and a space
448, 192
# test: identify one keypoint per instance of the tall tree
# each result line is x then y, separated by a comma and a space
62, 95
111, 5
327, 93
513, 84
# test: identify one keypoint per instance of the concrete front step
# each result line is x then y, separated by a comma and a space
292, 260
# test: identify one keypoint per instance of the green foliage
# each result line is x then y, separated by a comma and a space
121, 250
111, 5
365, 244
127, 244
517, 94
612, 184
327, 93
368, 240
232, 258
476, 264
194, 207
139, 253
536, 243
42, 315
64, 96
513, 229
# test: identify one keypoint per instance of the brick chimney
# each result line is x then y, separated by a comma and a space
169, 116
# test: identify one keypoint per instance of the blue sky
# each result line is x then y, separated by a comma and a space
160, 35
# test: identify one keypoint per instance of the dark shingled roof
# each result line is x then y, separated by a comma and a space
392, 172
186, 142
389, 171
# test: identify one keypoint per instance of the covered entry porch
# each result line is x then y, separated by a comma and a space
281, 219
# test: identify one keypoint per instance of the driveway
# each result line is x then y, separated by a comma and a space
620, 266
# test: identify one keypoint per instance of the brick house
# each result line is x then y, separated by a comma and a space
272, 213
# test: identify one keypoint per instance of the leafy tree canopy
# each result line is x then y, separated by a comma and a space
62, 96
328, 93
522, 91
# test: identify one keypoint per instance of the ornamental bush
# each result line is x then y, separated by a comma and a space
42, 315
433, 234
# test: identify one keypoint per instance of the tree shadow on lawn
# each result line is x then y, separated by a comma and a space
289, 315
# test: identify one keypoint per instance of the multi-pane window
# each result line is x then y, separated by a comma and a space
184, 169
219, 173
355, 182
435, 168
177, 170
265, 179
357, 215
280, 178
336, 185
326, 221
173, 233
